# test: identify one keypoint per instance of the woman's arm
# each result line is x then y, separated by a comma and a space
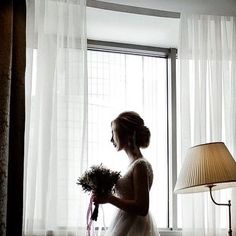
140, 204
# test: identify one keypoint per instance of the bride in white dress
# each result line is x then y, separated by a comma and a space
132, 190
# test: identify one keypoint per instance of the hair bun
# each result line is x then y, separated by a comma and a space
143, 136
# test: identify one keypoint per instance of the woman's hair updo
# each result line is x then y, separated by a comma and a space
130, 124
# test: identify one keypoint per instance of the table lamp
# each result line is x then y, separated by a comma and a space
207, 167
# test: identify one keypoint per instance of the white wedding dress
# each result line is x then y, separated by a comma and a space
124, 223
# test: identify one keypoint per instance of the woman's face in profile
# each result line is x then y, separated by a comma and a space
115, 138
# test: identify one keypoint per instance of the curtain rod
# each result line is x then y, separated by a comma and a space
131, 9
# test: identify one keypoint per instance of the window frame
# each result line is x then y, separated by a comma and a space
170, 54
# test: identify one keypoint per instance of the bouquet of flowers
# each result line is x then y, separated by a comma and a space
100, 181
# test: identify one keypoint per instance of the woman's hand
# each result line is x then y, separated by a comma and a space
101, 199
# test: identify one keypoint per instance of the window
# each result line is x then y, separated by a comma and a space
119, 81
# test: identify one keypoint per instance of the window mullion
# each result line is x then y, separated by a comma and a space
172, 138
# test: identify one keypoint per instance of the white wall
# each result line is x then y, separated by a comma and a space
146, 30
138, 29
214, 7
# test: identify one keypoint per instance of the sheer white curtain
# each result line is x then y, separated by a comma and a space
56, 111
207, 56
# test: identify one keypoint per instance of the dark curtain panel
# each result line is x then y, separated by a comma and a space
12, 114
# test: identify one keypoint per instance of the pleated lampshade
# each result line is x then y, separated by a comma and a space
205, 165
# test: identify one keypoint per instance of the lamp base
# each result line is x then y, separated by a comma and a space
222, 204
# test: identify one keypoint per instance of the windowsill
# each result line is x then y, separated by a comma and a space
169, 232
81, 232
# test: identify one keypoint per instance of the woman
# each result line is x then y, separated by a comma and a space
133, 219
